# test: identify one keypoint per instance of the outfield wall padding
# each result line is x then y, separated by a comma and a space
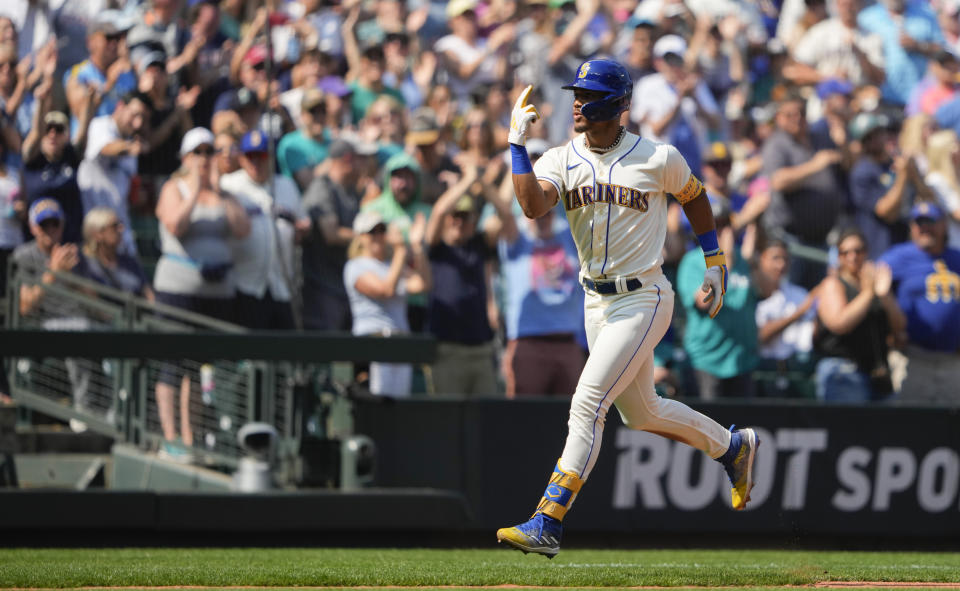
885, 470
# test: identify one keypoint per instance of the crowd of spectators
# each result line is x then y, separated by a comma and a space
339, 165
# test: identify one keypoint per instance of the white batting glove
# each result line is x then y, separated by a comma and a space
715, 282
521, 118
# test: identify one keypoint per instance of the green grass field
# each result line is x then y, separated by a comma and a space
297, 567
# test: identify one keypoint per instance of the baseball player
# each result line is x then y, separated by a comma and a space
614, 186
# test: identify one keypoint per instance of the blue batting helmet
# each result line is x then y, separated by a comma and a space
605, 76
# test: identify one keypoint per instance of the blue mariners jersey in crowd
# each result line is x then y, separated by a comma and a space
542, 292
928, 291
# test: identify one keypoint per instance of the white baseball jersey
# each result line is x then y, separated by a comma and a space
616, 202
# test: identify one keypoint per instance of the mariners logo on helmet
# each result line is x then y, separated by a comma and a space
604, 76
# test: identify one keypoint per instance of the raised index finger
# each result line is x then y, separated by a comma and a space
524, 97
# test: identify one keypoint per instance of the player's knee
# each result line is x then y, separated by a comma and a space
581, 414
651, 417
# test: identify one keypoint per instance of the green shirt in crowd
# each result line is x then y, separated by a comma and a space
725, 346
296, 151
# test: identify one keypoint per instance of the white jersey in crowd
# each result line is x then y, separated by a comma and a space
257, 260
796, 338
616, 202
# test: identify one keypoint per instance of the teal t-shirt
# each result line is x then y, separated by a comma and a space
725, 346
297, 151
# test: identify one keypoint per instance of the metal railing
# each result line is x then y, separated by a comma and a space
116, 396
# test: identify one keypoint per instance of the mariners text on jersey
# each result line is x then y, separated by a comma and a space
606, 193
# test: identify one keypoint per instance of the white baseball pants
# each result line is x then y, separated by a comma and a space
622, 331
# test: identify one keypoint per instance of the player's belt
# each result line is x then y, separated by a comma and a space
612, 287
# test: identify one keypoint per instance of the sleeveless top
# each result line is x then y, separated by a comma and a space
206, 242
866, 344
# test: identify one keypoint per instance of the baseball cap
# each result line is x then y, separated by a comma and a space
56, 118
255, 55
360, 146
340, 148
253, 141
464, 204
423, 127
312, 97
927, 210
334, 85
670, 44
109, 22
715, 152
366, 221
44, 209
832, 86
636, 21
149, 59
244, 98
197, 136
458, 7
865, 123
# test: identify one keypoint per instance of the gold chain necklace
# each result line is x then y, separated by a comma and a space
612, 146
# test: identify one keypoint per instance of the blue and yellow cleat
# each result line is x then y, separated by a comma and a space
740, 469
541, 534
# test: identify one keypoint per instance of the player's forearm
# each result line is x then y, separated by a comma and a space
530, 195
699, 213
